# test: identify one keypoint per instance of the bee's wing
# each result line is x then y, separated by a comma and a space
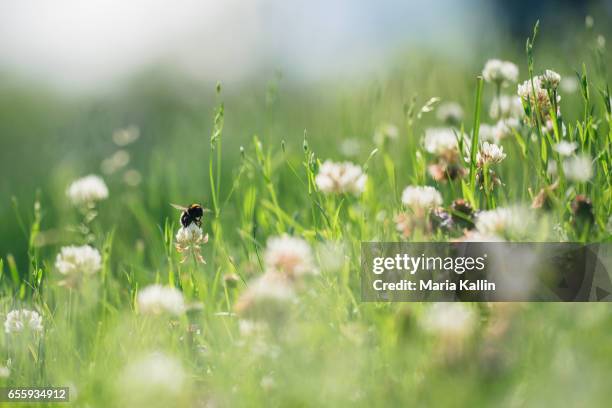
179, 207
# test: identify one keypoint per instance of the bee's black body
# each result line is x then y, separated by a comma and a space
193, 213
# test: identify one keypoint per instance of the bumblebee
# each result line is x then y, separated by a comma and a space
193, 213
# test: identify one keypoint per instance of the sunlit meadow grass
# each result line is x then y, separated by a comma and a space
266, 309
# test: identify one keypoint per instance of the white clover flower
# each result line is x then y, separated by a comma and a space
569, 84
385, 132
421, 198
23, 319
506, 107
450, 112
494, 222
189, 241
289, 255
158, 299
449, 320
441, 142
565, 148
75, 262
266, 297
578, 168
550, 79
489, 153
500, 72
339, 178
156, 374
505, 221
87, 190
537, 94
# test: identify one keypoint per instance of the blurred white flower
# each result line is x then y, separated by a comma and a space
76, 262
288, 255
119, 159
450, 113
489, 153
126, 136
331, 255
487, 133
449, 320
550, 79
505, 127
5, 372
156, 375
23, 320
565, 148
350, 147
385, 132
441, 142
132, 177
578, 168
536, 93
569, 84
505, 222
189, 241
506, 107
87, 190
500, 72
551, 169
421, 198
341, 178
266, 297
158, 299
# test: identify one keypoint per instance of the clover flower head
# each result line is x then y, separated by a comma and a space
500, 72
550, 79
489, 153
189, 241
158, 300
421, 198
266, 297
339, 178
565, 148
78, 261
505, 222
87, 190
578, 168
441, 142
288, 255
21, 320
